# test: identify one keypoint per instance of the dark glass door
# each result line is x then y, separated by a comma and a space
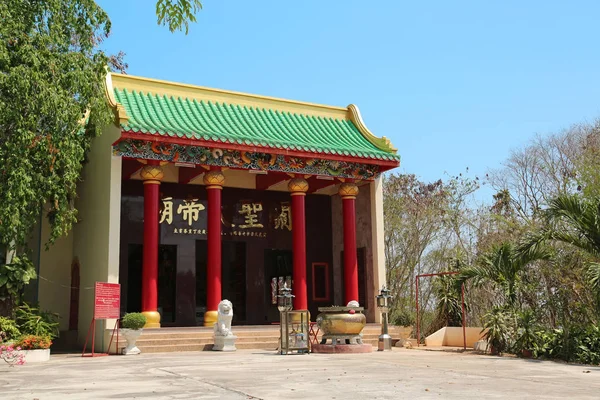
167, 283
201, 258
167, 269
233, 278
278, 271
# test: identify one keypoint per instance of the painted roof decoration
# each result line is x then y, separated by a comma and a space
192, 113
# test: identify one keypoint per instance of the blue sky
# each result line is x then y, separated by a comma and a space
453, 84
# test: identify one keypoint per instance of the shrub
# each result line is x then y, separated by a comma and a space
402, 318
32, 321
575, 343
33, 342
8, 329
550, 343
527, 338
587, 345
499, 329
133, 321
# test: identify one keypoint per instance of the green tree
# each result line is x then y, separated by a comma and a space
503, 267
52, 104
574, 220
177, 14
414, 212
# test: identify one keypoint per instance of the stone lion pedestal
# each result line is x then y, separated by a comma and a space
224, 338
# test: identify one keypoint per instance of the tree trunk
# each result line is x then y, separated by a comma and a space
7, 308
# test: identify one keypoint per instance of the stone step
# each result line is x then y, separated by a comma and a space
205, 347
174, 348
178, 340
211, 334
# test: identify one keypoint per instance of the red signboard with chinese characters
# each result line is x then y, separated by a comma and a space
107, 300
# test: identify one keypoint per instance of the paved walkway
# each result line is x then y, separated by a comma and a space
251, 374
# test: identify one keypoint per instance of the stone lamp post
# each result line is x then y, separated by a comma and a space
383, 303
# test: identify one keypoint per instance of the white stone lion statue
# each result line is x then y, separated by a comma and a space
224, 317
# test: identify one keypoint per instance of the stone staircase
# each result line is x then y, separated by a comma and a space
201, 338
263, 337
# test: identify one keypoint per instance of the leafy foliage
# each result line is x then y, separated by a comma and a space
499, 327
14, 277
503, 266
52, 104
32, 321
51, 81
177, 14
526, 322
133, 321
447, 291
573, 220
8, 329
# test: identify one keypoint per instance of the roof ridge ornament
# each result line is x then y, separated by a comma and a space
382, 143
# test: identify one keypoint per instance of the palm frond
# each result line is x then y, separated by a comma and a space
593, 275
576, 221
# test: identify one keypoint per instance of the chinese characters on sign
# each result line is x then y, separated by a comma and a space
246, 219
166, 213
191, 210
284, 219
250, 213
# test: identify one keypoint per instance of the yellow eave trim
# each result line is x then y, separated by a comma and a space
183, 90
229, 92
381, 143
121, 116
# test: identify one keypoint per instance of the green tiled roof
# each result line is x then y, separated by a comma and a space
244, 125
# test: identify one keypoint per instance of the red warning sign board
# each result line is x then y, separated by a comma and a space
107, 300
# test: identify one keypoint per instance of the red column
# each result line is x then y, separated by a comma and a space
298, 188
214, 181
348, 192
151, 174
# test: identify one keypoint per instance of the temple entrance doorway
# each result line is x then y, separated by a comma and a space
167, 274
233, 278
278, 271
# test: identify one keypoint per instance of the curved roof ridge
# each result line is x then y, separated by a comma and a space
184, 90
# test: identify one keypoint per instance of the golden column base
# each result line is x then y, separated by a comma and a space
152, 319
210, 318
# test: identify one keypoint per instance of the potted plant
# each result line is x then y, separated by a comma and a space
131, 328
525, 343
38, 328
498, 330
35, 348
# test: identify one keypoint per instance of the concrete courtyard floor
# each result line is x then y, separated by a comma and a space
251, 374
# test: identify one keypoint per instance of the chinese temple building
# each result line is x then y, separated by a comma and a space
196, 195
